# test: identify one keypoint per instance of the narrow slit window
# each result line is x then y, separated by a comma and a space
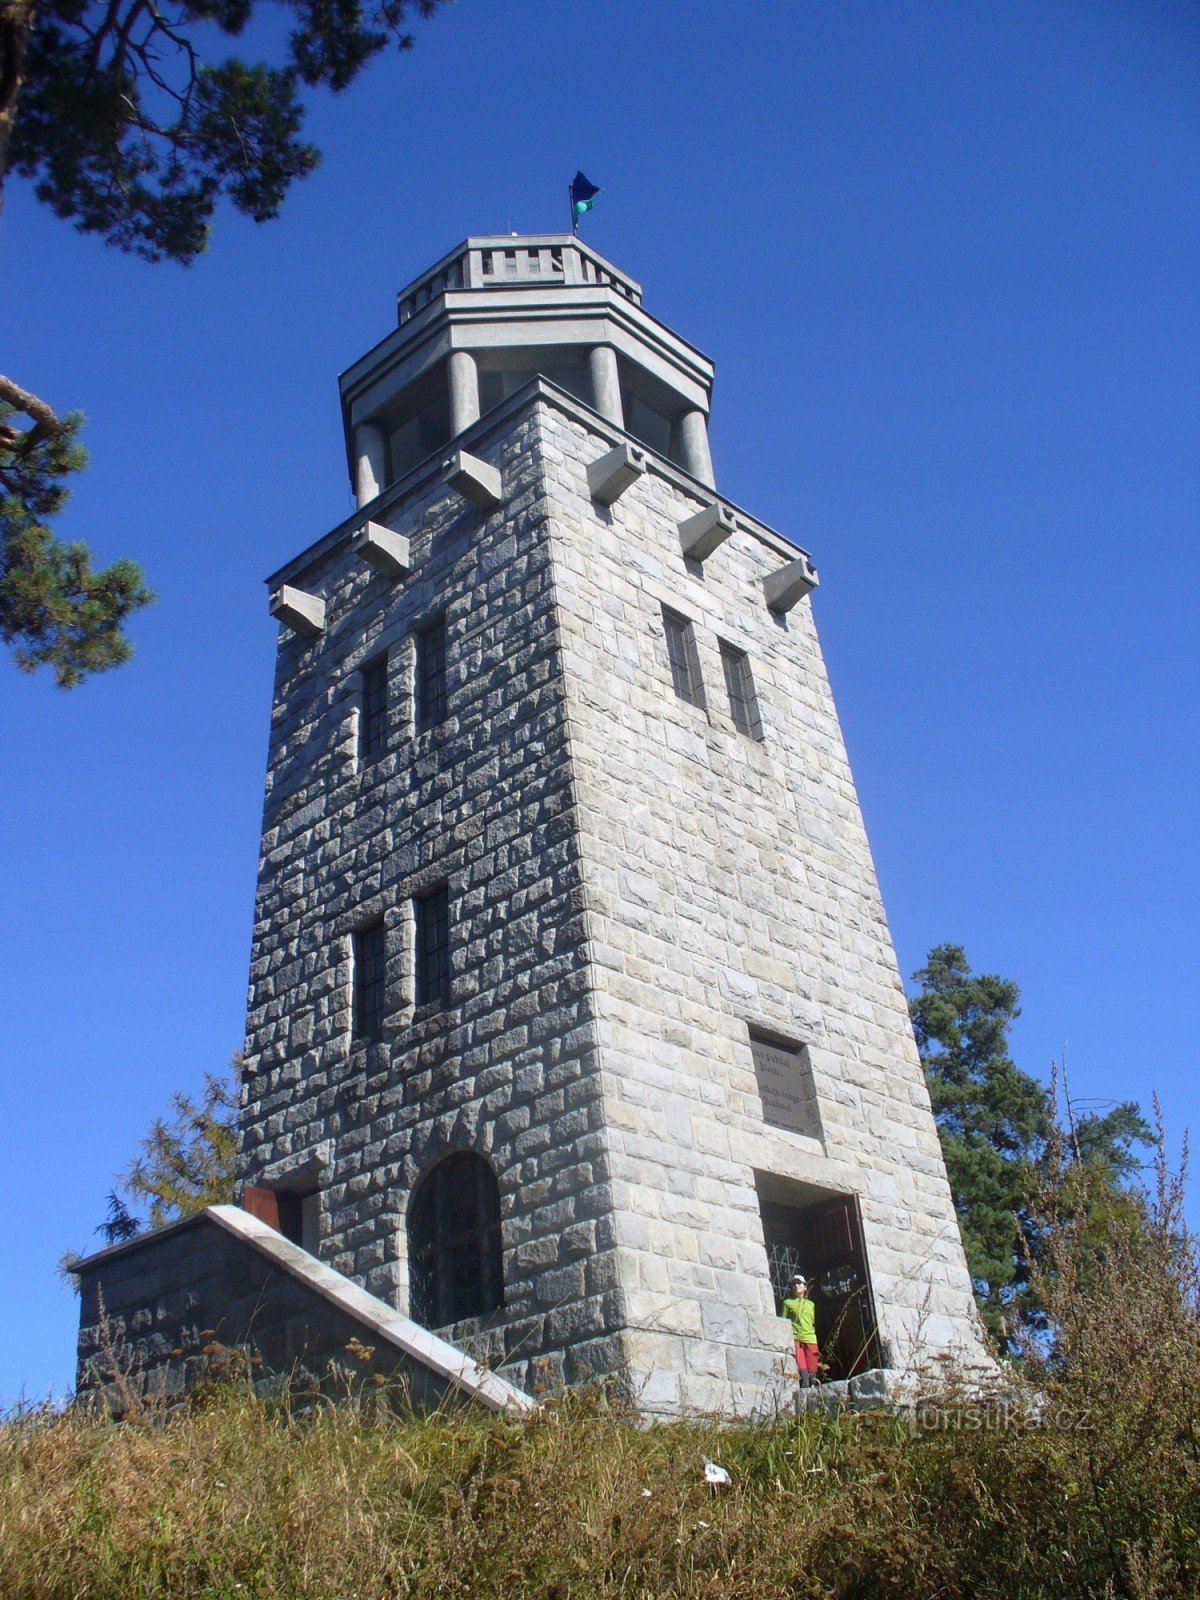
739, 685
682, 654
370, 977
432, 927
431, 674
373, 726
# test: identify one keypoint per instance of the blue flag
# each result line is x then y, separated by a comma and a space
583, 198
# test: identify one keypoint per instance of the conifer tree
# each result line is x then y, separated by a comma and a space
54, 609
187, 1158
184, 1163
126, 126
995, 1122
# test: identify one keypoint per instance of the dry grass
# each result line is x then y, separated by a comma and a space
237, 1498
240, 1498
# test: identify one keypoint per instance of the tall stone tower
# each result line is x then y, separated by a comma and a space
574, 1024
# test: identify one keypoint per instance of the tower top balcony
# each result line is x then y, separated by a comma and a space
515, 260
494, 313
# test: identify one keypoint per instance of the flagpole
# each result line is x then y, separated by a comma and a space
574, 218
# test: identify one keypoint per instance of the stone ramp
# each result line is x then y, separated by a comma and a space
157, 1312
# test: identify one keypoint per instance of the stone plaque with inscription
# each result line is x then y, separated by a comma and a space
785, 1086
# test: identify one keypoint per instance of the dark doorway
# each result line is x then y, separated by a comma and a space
300, 1218
295, 1213
823, 1240
454, 1251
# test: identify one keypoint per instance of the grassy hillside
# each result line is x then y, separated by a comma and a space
236, 1498
239, 1499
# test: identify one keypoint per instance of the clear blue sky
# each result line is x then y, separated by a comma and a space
945, 256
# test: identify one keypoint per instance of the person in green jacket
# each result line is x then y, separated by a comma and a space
802, 1314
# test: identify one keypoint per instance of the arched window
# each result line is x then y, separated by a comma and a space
454, 1258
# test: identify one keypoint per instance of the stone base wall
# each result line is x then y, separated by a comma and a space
221, 1292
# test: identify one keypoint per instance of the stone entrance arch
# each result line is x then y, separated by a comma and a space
455, 1264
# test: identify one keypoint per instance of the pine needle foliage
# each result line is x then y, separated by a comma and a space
129, 127
119, 1225
118, 114
54, 609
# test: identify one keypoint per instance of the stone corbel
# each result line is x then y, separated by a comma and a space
388, 552
477, 482
610, 476
303, 613
700, 535
788, 586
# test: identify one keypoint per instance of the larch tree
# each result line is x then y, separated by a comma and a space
117, 113
184, 1163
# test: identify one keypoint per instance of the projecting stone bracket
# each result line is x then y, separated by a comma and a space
388, 552
700, 535
477, 482
609, 477
788, 586
303, 613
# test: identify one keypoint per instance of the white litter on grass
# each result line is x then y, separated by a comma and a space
715, 1474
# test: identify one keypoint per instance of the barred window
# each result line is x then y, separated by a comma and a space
739, 685
373, 723
370, 977
432, 920
431, 673
455, 1262
681, 652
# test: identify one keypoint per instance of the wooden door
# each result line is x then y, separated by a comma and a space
840, 1288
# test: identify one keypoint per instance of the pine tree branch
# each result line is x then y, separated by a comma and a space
45, 422
16, 26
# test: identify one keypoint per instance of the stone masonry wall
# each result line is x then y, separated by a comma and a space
484, 802
632, 885
730, 883
162, 1313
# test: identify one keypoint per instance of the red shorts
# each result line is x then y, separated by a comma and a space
807, 1356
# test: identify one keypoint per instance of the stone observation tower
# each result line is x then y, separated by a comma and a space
575, 1025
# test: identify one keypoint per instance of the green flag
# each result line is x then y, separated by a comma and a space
583, 198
